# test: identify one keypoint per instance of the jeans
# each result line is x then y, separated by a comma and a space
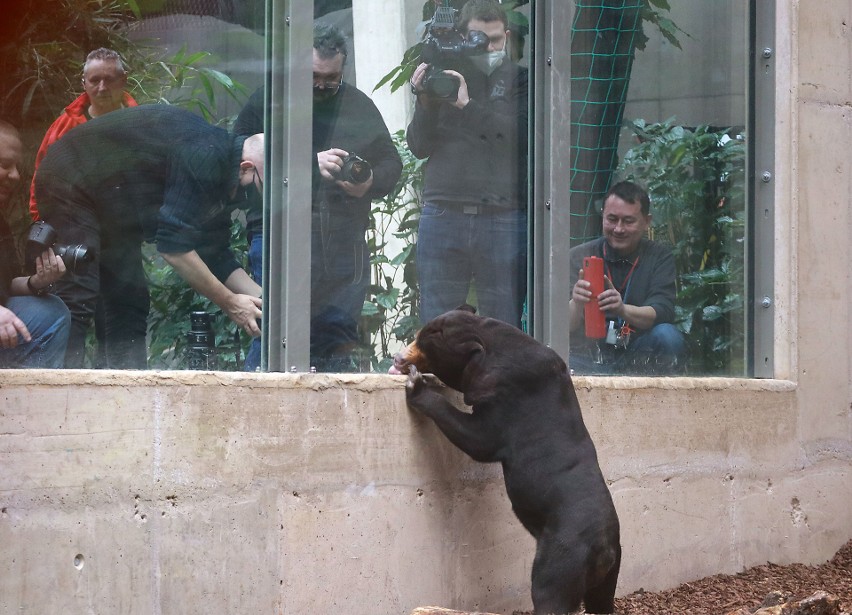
661, 351
486, 250
340, 277
48, 322
255, 260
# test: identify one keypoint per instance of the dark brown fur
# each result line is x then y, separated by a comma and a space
527, 417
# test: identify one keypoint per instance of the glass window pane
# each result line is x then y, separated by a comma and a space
659, 100
432, 213
149, 173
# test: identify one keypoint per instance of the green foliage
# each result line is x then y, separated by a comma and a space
42, 66
696, 179
172, 301
40, 71
184, 80
401, 74
390, 319
652, 13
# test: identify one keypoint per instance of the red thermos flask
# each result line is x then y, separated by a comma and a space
595, 319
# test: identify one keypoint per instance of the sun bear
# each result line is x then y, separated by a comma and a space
525, 415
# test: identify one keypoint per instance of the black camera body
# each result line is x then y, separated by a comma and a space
201, 342
355, 169
43, 236
443, 46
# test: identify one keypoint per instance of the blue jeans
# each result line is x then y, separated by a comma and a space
255, 260
486, 250
661, 351
48, 322
340, 277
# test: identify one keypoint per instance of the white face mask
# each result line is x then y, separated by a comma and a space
488, 62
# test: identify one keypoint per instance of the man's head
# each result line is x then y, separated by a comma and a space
251, 164
104, 79
626, 217
10, 159
330, 54
486, 16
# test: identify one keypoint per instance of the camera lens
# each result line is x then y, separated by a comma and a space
74, 257
355, 170
441, 85
201, 342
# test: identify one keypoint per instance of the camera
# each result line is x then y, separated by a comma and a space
201, 342
443, 46
43, 236
355, 169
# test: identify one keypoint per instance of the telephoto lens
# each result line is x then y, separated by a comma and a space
201, 342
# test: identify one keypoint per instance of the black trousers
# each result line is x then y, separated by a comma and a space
115, 274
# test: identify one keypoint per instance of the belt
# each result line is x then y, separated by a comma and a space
472, 208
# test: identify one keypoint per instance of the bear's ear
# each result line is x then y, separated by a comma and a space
464, 307
477, 380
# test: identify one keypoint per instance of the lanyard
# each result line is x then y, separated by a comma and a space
625, 286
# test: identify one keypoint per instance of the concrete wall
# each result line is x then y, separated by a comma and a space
199, 493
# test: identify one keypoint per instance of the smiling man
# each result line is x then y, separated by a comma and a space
638, 298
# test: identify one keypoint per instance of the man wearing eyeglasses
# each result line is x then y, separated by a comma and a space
345, 122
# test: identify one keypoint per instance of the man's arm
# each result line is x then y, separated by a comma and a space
422, 130
239, 297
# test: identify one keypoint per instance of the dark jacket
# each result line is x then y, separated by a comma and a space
156, 169
477, 154
652, 282
349, 121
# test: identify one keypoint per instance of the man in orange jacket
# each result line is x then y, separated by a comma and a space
104, 80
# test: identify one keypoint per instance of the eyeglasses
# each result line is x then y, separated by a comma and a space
329, 86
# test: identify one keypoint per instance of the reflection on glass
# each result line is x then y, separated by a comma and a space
129, 308
453, 228
670, 99
470, 121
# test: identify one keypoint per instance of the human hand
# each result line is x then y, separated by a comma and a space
330, 162
462, 98
416, 80
244, 311
49, 268
10, 327
610, 299
356, 190
582, 291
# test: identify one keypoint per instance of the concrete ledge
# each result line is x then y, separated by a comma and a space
76, 377
131, 491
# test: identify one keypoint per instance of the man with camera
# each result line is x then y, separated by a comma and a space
34, 325
356, 162
638, 297
149, 173
470, 121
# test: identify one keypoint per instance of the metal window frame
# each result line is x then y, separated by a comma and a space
551, 173
760, 261
287, 295
287, 200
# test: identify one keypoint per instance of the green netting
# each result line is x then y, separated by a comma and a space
603, 42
